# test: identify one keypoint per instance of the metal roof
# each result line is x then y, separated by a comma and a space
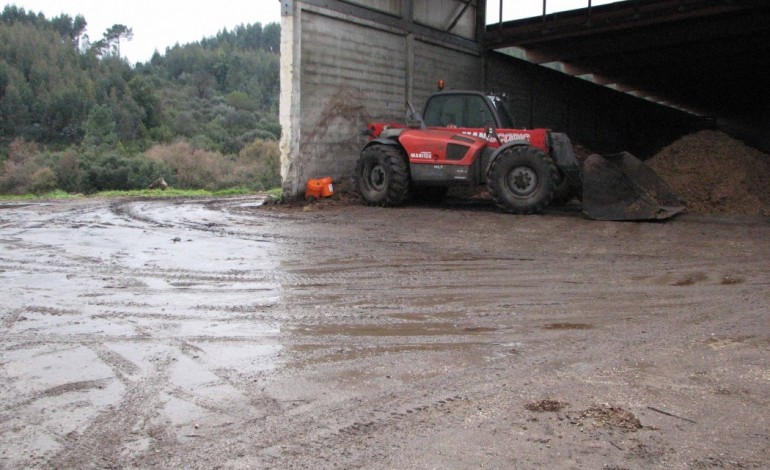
709, 57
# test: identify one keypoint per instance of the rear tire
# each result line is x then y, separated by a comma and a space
382, 175
521, 179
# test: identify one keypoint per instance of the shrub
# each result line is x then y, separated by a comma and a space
256, 167
161, 134
192, 168
269, 174
112, 171
263, 157
241, 100
43, 181
22, 163
260, 150
69, 175
14, 177
185, 124
255, 134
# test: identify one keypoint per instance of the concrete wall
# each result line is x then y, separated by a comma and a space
343, 66
600, 118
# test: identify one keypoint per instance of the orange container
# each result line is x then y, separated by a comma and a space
313, 189
319, 188
327, 188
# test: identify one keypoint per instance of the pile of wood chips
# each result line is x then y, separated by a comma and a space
716, 174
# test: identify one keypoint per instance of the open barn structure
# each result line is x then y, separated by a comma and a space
631, 75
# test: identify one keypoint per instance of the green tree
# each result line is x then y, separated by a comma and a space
94, 113
114, 34
69, 28
143, 95
100, 129
271, 38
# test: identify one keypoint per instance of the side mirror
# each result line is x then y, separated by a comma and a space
413, 118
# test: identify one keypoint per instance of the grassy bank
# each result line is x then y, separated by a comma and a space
276, 192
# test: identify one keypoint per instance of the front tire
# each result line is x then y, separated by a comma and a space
563, 191
382, 175
521, 179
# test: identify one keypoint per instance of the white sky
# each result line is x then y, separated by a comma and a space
158, 24
515, 9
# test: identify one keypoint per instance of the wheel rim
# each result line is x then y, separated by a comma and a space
522, 180
377, 178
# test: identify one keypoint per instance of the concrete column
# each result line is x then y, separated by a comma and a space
289, 104
409, 89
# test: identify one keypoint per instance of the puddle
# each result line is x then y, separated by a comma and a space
479, 329
226, 329
41, 369
415, 317
184, 415
412, 329
729, 280
568, 326
717, 343
14, 206
250, 205
690, 279
75, 325
309, 355
246, 358
146, 235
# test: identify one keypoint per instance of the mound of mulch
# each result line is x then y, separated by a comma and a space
609, 416
546, 405
716, 174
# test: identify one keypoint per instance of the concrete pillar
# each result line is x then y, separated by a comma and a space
289, 104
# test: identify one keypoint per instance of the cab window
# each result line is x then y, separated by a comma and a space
506, 118
457, 110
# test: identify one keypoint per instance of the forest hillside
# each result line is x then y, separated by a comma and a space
76, 116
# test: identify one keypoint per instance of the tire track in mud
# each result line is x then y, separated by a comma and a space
128, 211
6, 412
135, 425
10, 318
138, 416
125, 209
293, 436
226, 376
121, 367
106, 438
355, 445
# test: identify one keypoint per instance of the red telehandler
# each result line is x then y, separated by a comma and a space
468, 138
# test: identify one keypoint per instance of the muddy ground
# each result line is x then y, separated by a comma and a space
216, 334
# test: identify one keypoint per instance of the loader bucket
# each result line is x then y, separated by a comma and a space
621, 187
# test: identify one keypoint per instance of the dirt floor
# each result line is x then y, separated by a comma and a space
217, 334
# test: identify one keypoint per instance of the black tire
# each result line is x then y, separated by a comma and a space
563, 191
382, 175
521, 179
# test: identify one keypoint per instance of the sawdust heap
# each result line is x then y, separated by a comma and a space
546, 405
716, 174
614, 417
